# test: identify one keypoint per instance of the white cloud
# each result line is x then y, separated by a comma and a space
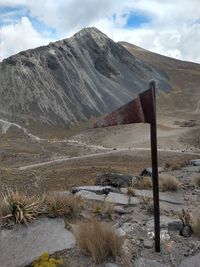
173, 30
19, 36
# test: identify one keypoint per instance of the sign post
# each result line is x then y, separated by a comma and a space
142, 110
154, 160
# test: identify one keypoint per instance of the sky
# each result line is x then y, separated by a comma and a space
168, 27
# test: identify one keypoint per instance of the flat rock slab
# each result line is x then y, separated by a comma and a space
170, 197
170, 207
166, 222
116, 198
193, 261
21, 245
195, 162
94, 188
142, 262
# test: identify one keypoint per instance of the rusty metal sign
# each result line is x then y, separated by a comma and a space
141, 110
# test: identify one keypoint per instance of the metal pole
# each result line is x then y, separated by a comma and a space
154, 159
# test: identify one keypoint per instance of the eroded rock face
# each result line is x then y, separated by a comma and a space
72, 80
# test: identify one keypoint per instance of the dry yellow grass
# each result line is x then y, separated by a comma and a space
196, 225
196, 180
64, 205
168, 183
99, 241
103, 209
145, 183
131, 191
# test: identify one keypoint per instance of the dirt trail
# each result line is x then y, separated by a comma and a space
62, 159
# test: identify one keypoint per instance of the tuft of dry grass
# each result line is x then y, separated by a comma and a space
131, 191
104, 209
20, 207
186, 217
168, 183
145, 183
59, 204
99, 241
196, 180
196, 225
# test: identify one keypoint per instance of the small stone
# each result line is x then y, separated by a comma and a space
148, 243
186, 231
120, 210
120, 232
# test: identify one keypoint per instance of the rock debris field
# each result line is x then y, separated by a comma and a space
126, 203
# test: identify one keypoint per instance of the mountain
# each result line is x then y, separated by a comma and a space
184, 79
73, 79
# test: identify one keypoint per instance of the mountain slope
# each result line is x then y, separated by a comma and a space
184, 79
72, 80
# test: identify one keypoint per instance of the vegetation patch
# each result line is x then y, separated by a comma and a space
99, 241
46, 261
16, 205
196, 225
168, 183
196, 180
104, 209
59, 205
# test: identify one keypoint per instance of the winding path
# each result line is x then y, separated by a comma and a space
63, 159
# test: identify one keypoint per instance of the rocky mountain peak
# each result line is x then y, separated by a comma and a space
72, 79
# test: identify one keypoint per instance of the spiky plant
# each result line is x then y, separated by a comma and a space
21, 208
60, 205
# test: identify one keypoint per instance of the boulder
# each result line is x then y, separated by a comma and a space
148, 171
113, 179
195, 162
21, 245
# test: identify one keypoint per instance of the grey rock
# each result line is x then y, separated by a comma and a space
91, 195
115, 198
142, 262
193, 261
166, 222
120, 232
122, 199
94, 188
148, 243
120, 210
186, 231
20, 246
195, 162
113, 179
148, 171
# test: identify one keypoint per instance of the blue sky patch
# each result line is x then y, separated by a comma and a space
9, 15
136, 20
